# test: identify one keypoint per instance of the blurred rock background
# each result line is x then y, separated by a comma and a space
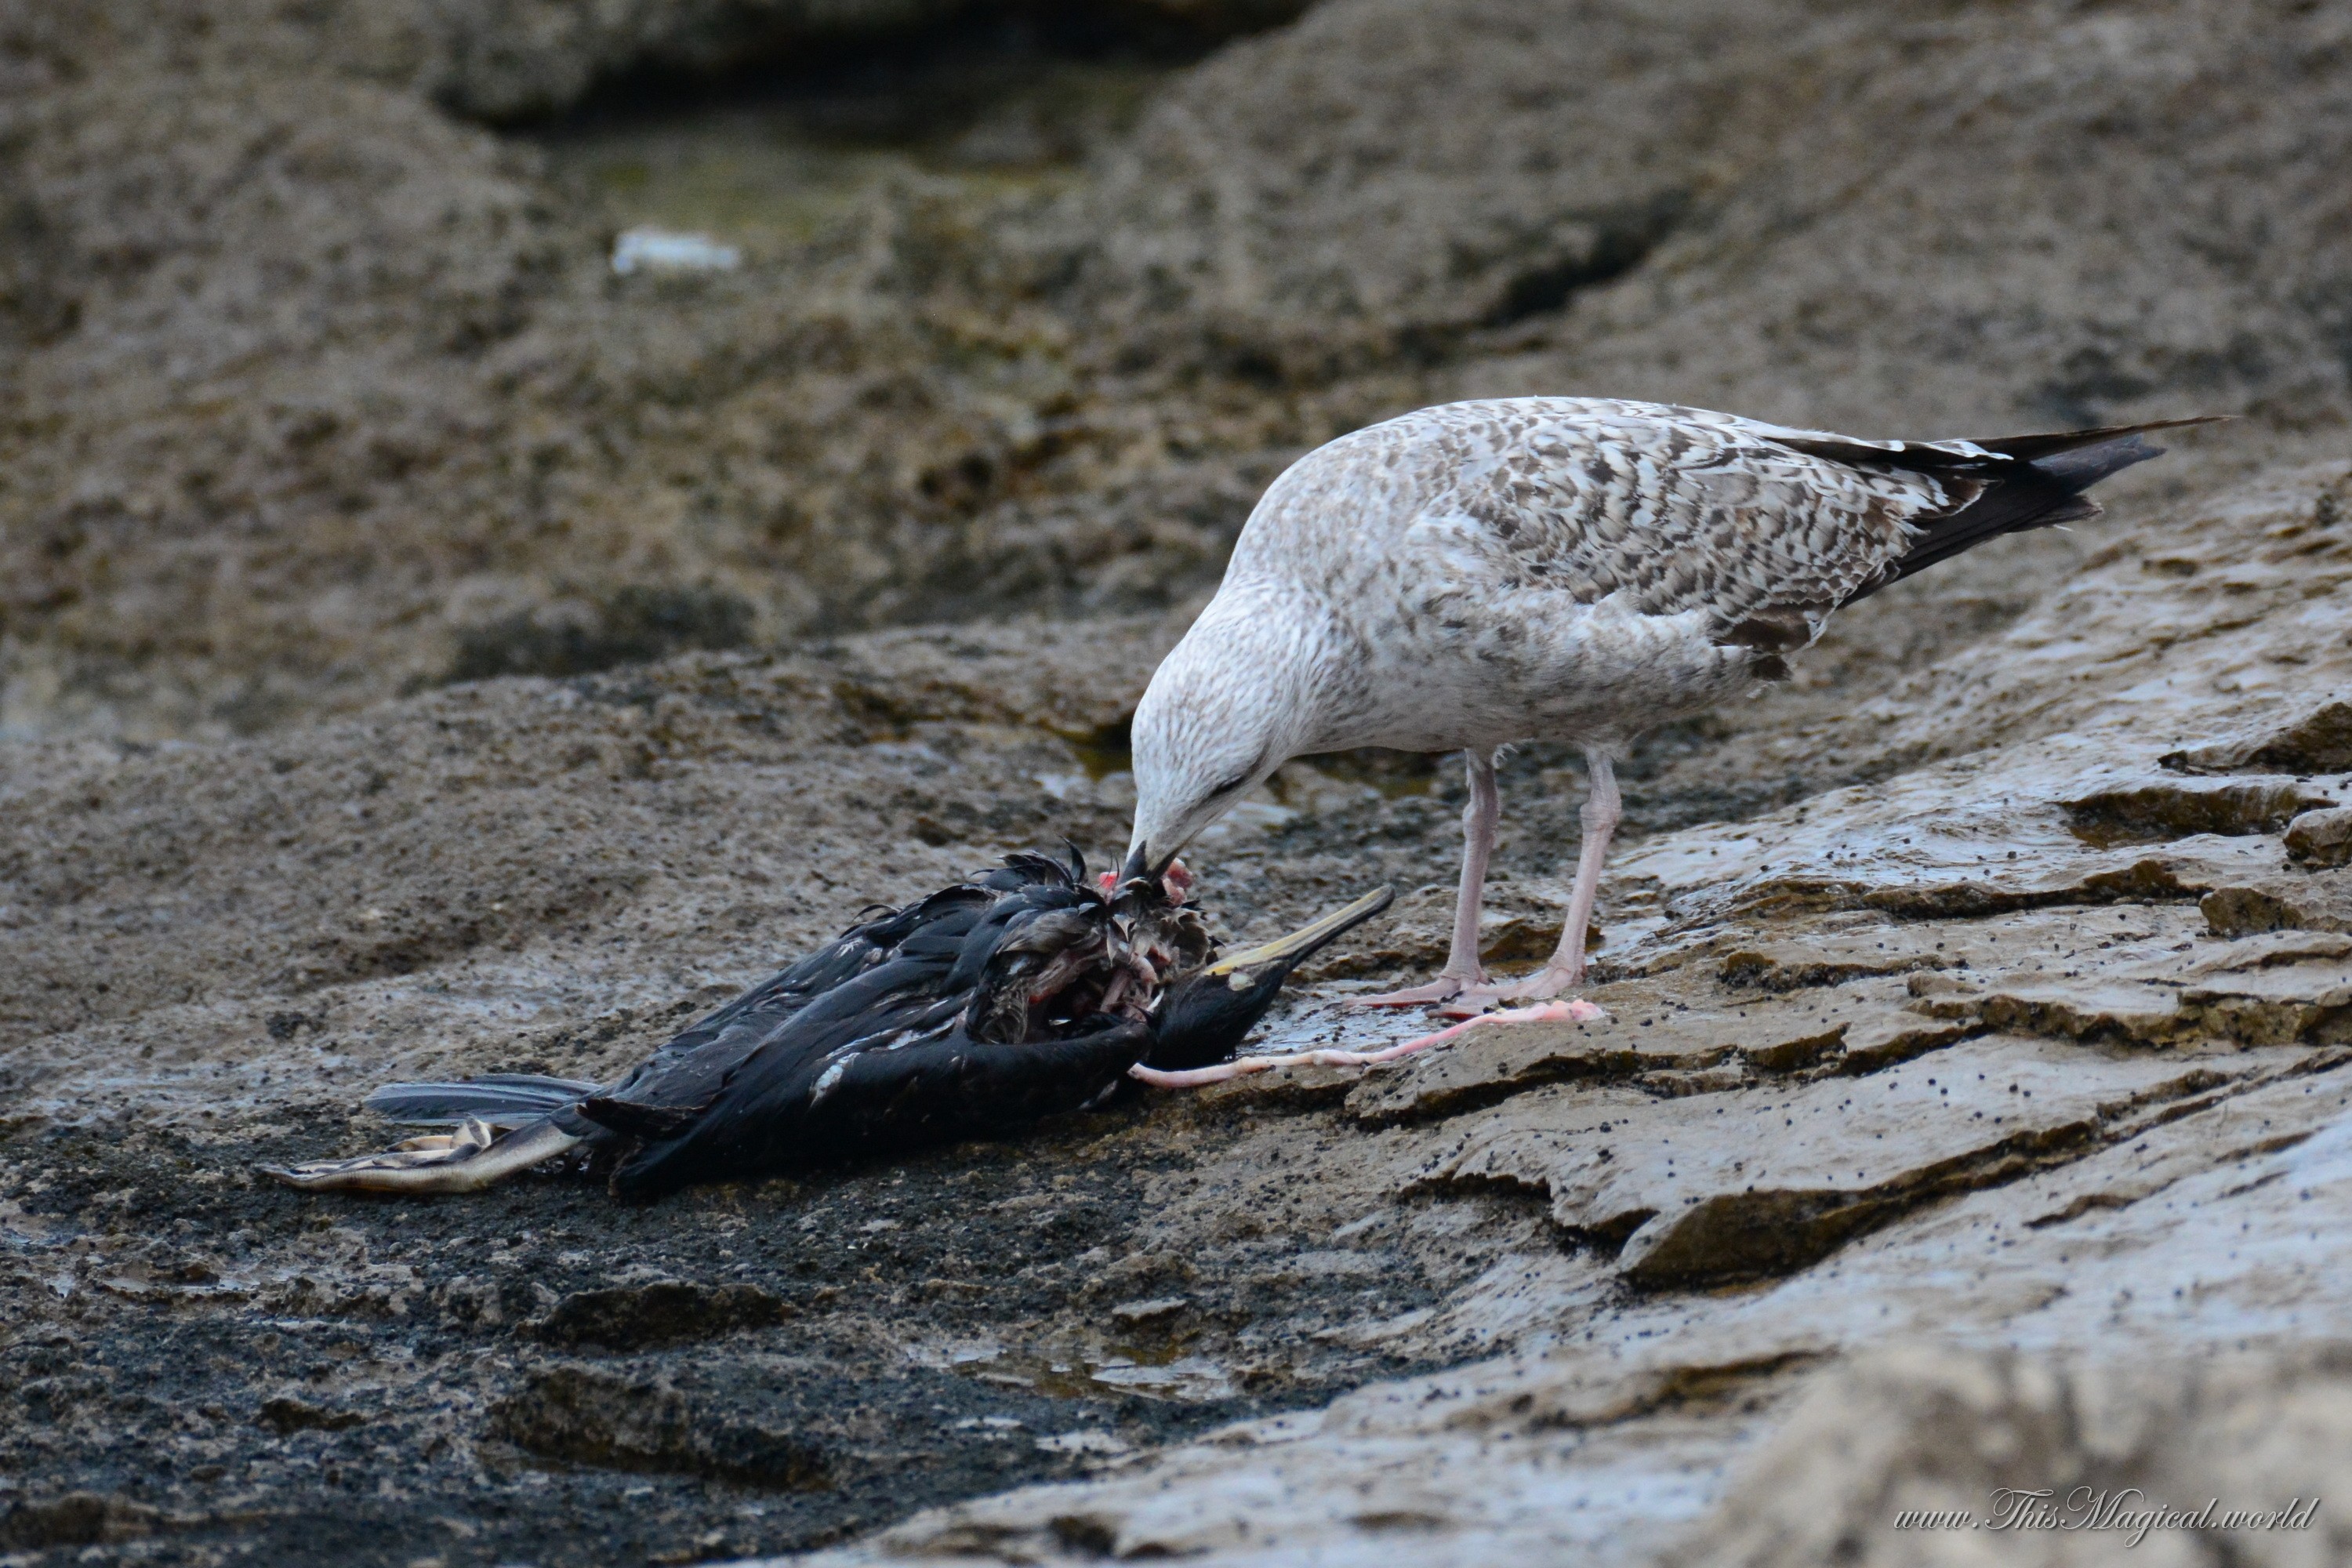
317, 385
324, 409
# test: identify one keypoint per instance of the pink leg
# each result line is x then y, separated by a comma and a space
1602, 811
1578, 1012
1462, 970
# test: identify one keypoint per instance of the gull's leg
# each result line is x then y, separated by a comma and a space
1462, 971
1577, 1012
472, 1158
1602, 811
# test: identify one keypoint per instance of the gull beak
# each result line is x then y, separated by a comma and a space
1167, 882
1139, 866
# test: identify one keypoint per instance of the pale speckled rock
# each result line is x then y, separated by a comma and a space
2259, 992
2321, 838
1763, 1182
2296, 901
2167, 808
1921, 1428
1653, 1029
2317, 741
1604, 1427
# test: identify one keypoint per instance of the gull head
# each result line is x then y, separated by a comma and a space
1233, 702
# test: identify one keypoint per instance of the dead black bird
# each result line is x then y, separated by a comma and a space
1019, 994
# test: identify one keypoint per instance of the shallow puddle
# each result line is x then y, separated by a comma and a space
767, 166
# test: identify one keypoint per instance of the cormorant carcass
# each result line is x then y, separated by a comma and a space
1023, 992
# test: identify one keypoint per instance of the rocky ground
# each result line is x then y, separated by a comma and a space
423, 652
2032, 1046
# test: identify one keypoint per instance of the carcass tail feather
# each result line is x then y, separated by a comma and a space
505, 1099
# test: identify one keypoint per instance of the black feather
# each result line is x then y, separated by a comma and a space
639, 1121
1018, 993
504, 1098
2028, 482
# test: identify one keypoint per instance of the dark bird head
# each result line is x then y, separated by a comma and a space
1204, 1015
1161, 927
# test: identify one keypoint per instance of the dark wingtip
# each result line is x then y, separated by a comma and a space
2039, 450
2089, 456
2082, 466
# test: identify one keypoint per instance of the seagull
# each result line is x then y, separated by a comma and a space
1476, 574
1019, 993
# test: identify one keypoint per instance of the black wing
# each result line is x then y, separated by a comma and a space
2033, 481
951, 1035
934, 1083
688, 1070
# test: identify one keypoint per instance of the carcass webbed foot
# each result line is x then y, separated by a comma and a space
473, 1157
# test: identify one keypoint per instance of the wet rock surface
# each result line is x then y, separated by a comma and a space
424, 651
1972, 1113
637, 1316
1917, 1429
1865, 1077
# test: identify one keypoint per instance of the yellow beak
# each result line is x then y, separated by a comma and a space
1307, 938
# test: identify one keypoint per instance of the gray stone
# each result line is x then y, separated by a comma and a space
2171, 808
2321, 838
1763, 1182
2319, 741
634, 1317
593, 1416
1925, 1428
2297, 900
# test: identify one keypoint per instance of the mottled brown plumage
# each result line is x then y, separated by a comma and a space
1554, 568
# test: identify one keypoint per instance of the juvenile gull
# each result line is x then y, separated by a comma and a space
1564, 569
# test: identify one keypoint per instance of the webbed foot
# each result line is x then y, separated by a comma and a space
473, 1157
1444, 988
1544, 985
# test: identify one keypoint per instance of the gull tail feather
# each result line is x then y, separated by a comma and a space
2028, 482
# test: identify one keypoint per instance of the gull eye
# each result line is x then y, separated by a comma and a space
1230, 785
